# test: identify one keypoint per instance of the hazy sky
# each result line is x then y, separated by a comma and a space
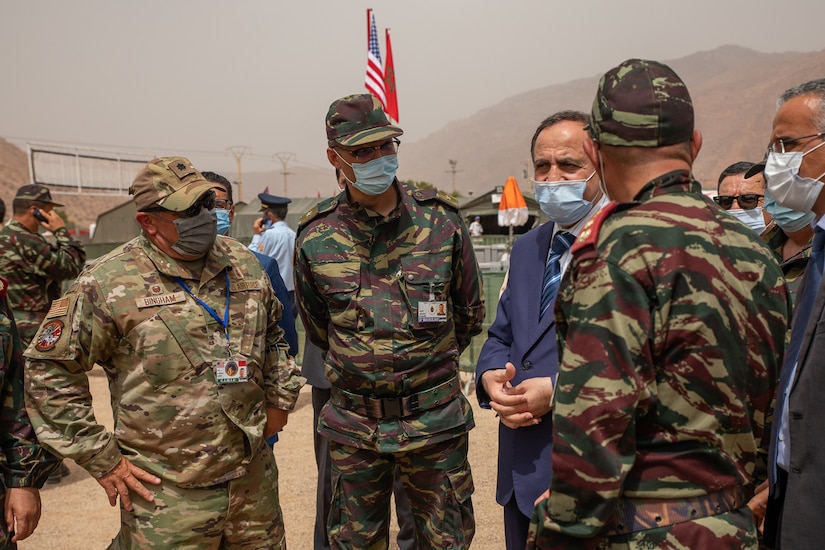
198, 76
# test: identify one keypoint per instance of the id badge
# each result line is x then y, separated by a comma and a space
231, 371
434, 311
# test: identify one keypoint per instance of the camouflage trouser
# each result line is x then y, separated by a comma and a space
241, 514
727, 531
438, 483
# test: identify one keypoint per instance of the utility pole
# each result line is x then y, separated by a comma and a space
284, 158
453, 171
239, 151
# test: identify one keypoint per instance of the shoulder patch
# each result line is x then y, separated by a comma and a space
49, 335
422, 195
590, 232
322, 207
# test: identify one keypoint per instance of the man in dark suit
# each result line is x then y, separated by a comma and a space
794, 172
519, 360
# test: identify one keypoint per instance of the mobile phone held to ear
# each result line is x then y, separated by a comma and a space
38, 215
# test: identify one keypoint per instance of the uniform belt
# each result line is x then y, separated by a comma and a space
396, 407
641, 514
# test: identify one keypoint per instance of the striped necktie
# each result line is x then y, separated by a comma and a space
552, 271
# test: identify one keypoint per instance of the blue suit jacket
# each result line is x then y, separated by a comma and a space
517, 336
804, 489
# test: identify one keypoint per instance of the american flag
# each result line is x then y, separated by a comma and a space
374, 81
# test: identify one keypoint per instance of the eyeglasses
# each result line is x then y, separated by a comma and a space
748, 201
366, 154
781, 144
224, 204
208, 201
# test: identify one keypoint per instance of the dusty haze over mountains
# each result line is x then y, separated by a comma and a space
734, 92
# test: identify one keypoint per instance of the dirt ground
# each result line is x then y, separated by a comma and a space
77, 515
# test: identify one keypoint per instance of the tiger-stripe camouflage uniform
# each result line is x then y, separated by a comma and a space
392, 300
178, 414
36, 267
23, 462
671, 323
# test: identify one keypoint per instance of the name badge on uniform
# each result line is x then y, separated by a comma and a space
432, 312
231, 371
162, 300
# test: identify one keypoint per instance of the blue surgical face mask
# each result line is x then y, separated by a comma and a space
753, 218
786, 218
376, 176
223, 221
563, 201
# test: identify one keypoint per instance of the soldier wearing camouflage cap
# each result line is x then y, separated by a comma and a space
671, 321
34, 265
373, 267
185, 325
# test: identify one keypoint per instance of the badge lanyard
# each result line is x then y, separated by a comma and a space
224, 323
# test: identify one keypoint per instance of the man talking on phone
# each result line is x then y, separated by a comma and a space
34, 266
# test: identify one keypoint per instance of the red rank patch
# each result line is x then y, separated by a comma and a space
49, 336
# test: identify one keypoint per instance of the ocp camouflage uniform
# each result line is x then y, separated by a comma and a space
36, 269
23, 462
396, 399
159, 349
671, 322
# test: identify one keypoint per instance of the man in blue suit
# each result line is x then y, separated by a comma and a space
794, 173
519, 361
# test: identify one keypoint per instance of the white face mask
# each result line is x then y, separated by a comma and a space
786, 185
753, 218
563, 201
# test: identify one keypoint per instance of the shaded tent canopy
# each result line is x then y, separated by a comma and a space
486, 207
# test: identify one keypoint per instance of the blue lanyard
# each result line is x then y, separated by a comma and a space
223, 323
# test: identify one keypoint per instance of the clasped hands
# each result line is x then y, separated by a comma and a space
521, 405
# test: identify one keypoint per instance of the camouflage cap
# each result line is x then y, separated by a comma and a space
641, 103
358, 119
34, 192
170, 182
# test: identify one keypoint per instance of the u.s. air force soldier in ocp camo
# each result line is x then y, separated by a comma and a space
373, 268
671, 322
185, 325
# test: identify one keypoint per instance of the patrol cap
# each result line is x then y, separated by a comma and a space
170, 182
358, 119
271, 201
35, 192
641, 103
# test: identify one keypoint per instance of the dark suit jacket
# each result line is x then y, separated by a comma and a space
517, 336
804, 492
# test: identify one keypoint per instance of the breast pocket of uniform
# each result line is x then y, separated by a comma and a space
340, 284
167, 351
425, 283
